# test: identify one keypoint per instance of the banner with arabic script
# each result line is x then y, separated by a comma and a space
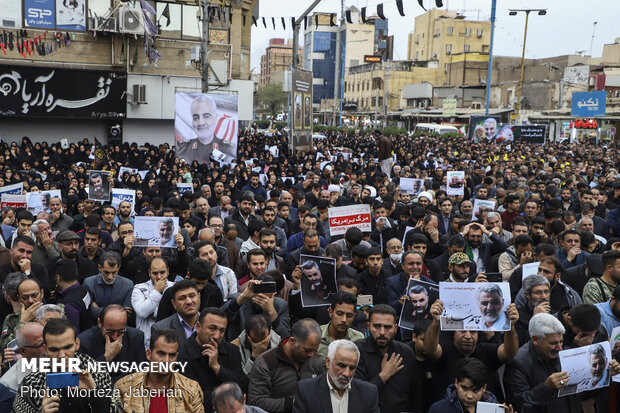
343, 218
51, 92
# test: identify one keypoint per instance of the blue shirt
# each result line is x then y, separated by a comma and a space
297, 241
186, 328
608, 319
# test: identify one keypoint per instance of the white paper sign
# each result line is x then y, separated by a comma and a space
123, 169
411, 186
483, 407
40, 201
15, 189
343, 218
142, 174
185, 187
474, 306
64, 143
455, 183
614, 343
407, 229
531, 268
587, 368
156, 231
484, 204
119, 195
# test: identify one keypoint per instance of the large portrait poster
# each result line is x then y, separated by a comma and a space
206, 126
40, 201
99, 185
71, 14
318, 280
483, 128
455, 183
302, 109
587, 368
156, 231
474, 306
420, 296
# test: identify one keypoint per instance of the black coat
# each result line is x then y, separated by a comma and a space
313, 396
210, 296
198, 368
242, 228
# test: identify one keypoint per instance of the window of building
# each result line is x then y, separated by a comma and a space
172, 30
479, 32
468, 31
322, 42
466, 48
416, 55
448, 48
437, 32
450, 30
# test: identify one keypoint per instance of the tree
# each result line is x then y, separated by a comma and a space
272, 97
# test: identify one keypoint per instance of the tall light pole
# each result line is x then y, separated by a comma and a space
490, 67
204, 45
513, 12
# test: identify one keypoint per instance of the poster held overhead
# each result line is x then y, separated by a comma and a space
587, 368
420, 296
456, 183
156, 231
481, 205
99, 185
343, 218
318, 280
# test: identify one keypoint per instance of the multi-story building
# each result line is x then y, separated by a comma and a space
384, 43
438, 34
276, 61
96, 76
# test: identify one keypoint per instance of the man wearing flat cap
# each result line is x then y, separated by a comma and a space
69, 243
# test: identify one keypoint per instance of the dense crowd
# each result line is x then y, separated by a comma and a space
75, 285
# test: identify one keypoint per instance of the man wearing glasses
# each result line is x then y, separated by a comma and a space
112, 339
30, 345
30, 297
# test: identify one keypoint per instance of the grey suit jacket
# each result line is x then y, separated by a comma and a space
121, 292
173, 323
313, 396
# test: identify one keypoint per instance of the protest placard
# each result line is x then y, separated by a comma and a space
13, 201
531, 268
411, 186
481, 205
15, 189
156, 231
343, 218
183, 187
318, 280
99, 185
587, 368
474, 306
455, 183
119, 195
123, 169
40, 201
420, 296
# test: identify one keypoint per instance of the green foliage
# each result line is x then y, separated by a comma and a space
280, 125
262, 124
272, 97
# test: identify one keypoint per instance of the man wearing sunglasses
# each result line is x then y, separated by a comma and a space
112, 339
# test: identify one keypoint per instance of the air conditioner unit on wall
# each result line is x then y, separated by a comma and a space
131, 21
102, 24
139, 93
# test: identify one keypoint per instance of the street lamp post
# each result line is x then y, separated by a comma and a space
513, 12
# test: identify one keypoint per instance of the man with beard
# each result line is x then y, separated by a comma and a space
123, 246
124, 214
341, 314
240, 307
212, 360
490, 301
446, 349
275, 373
598, 366
243, 215
58, 219
387, 363
108, 287
314, 290
204, 119
338, 388
21, 255
479, 252
255, 265
418, 296
269, 217
69, 243
97, 190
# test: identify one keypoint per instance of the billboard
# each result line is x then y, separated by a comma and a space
40, 13
529, 133
588, 104
302, 109
577, 75
482, 128
206, 127
71, 14
51, 92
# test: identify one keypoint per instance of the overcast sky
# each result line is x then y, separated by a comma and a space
566, 28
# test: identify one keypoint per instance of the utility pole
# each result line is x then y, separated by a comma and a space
592, 40
204, 45
490, 67
386, 94
513, 12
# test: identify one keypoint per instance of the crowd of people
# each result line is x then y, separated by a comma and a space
75, 285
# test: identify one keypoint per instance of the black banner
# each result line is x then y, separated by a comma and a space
51, 92
529, 133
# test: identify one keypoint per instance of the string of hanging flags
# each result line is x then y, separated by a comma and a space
220, 13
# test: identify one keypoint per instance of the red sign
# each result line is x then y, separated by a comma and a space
584, 124
343, 218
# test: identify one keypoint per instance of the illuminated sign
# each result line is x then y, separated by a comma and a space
372, 58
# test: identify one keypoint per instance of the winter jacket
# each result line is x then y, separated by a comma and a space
451, 403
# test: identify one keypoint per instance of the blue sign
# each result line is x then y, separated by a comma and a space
40, 13
588, 104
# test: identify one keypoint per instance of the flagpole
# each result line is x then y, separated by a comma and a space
204, 46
